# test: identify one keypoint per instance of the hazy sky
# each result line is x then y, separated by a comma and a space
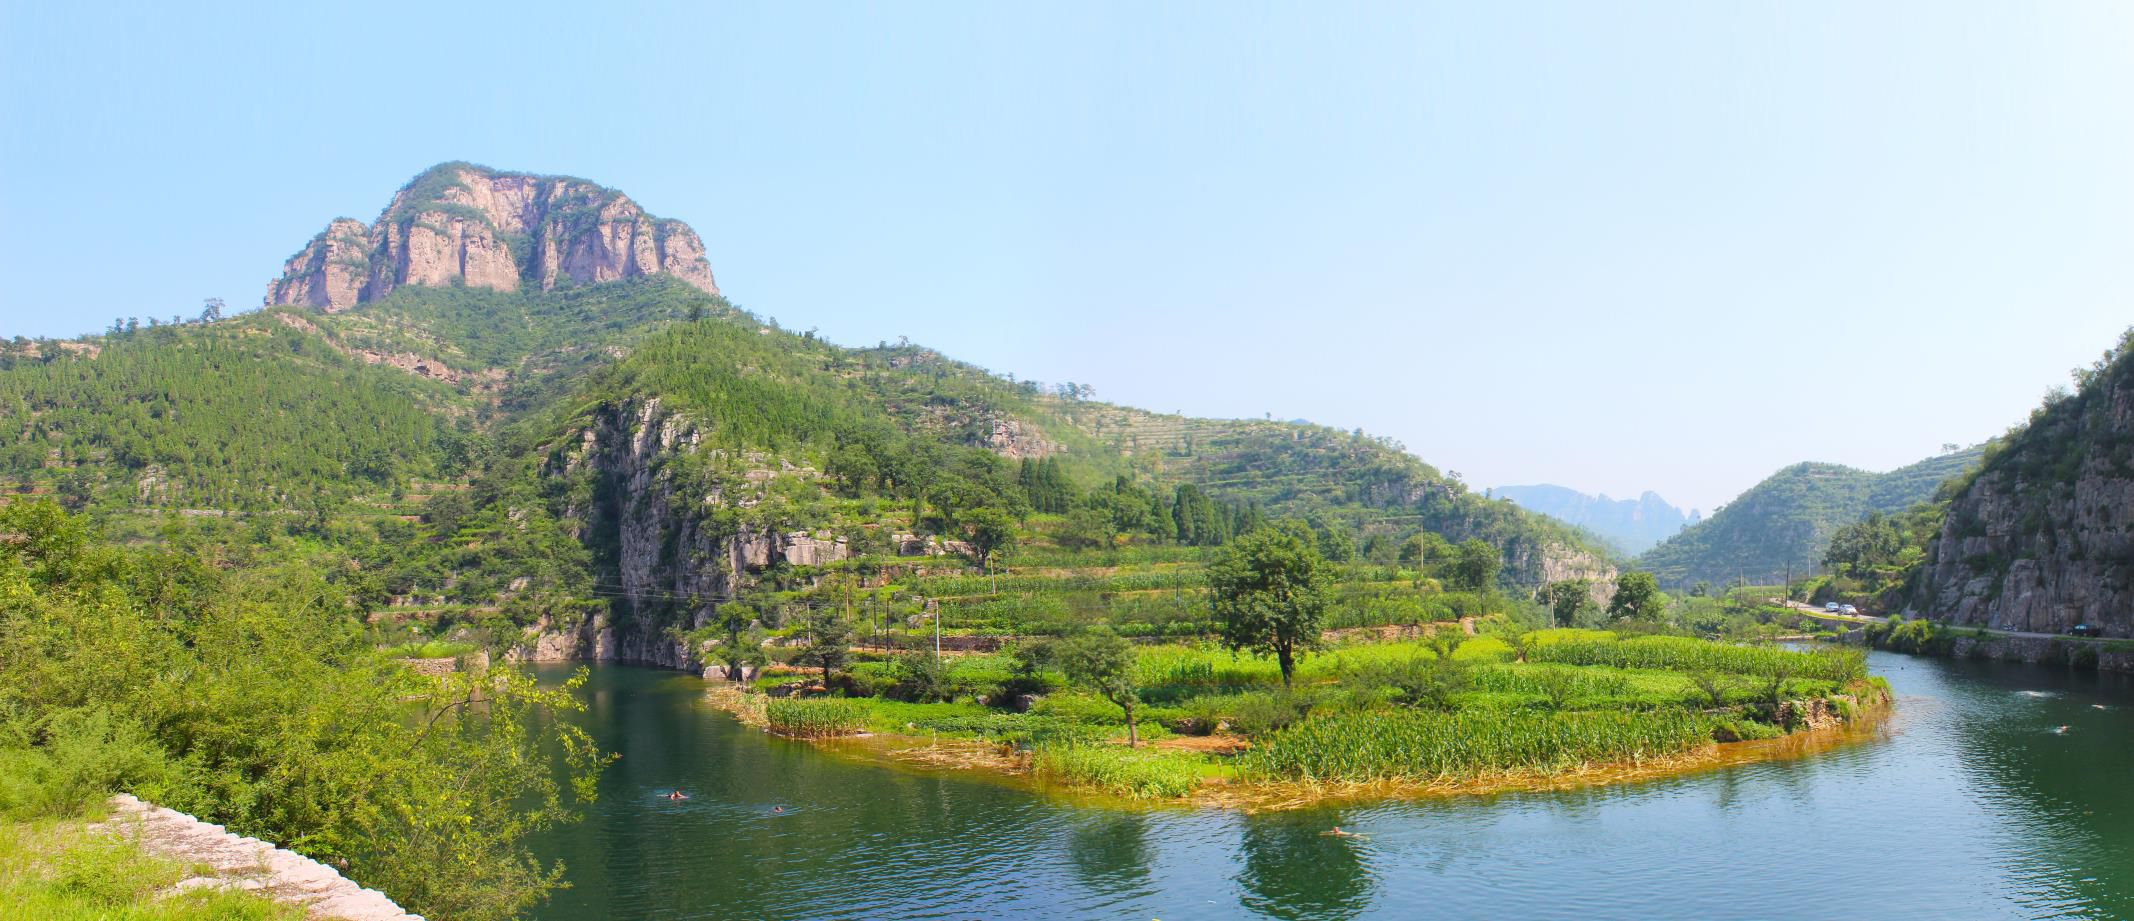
1612, 246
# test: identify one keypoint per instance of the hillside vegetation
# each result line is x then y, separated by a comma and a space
1784, 524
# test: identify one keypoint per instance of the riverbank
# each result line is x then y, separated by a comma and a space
1547, 710
1933, 638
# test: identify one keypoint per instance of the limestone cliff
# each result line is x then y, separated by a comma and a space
2043, 538
467, 224
676, 528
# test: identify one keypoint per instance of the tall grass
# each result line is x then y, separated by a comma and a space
1139, 773
1684, 654
1421, 745
59, 872
814, 718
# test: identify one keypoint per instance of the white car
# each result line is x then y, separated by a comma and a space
1831, 608
1847, 609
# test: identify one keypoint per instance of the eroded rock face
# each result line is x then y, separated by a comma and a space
2043, 538
665, 541
459, 223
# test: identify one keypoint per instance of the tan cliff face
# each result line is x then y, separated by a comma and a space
2043, 538
460, 223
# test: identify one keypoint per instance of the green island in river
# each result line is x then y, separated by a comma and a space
1450, 713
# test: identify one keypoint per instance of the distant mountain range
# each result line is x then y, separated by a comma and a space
1631, 526
1782, 525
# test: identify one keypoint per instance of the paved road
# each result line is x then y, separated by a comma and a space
1814, 611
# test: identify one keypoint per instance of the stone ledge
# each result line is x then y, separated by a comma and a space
247, 863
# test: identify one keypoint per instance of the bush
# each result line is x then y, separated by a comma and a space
921, 678
76, 759
1263, 712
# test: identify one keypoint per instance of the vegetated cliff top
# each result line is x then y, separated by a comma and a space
1784, 523
460, 223
2041, 536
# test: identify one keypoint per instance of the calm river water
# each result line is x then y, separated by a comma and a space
1974, 804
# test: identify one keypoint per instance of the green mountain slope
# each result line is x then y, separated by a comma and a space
478, 440
1783, 524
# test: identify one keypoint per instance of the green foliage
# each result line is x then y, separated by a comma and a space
1269, 593
1424, 745
814, 717
1675, 653
252, 698
1116, 771
1637, 597
1787, 521
246, 414
62, 873
1103, 663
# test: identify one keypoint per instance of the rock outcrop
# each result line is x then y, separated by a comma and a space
670, 539
247, 863
2043, 538
458, 223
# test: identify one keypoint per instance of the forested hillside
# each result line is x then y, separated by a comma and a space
485, 446
1783, 524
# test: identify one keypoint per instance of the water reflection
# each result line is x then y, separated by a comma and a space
1970, 805
1109, 850
1293, 867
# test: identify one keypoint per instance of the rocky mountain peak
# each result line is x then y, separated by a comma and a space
458, 222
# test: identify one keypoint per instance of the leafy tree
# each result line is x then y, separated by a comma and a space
1568, 600
829, 644
1637, 597
1103, 662
1475, 567
989, 530
737, 642
1427, 550
1334, 543
1269, 591
1871, 542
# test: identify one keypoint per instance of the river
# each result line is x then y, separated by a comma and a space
1971, 802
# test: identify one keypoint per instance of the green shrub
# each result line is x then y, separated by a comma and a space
76, 758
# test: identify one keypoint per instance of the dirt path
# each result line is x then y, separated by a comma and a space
247, 863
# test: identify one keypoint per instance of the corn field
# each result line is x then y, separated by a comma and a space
1427, 745
814, 718
1684, 654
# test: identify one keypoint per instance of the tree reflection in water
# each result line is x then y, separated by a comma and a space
1293, 870
1109, 851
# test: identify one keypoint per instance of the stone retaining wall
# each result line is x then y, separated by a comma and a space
247, 863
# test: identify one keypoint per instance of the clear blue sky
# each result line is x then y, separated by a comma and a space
1613, 246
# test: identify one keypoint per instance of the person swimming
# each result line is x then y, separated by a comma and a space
677, 795
777, 809
1338, 833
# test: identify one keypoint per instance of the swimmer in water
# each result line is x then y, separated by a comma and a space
1338, 833
2060, 730
777, 809
677, 795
